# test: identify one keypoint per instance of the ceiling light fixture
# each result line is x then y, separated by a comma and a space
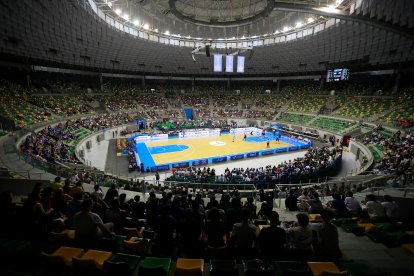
118, 11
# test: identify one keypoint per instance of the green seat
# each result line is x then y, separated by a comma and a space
358, 268
153, 266
255, 268
291, 268
121, 264
223, 267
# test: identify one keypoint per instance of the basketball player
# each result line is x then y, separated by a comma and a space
245, 137
267, 143
234, 136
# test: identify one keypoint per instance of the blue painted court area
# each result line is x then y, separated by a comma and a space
144, 155
167, 149
267, 137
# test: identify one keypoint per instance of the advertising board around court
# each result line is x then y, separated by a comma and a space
219, 159
199, 133
181, 165
200, 162
236, 156
160, 168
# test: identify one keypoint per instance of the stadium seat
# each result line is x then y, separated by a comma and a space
92, 261
223, 267
152, 266
256, 268
318, 268
121, 264
189, 267
63, 256
291, 268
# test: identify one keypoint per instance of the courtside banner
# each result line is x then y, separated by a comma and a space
219, 159
181, 165
236, 157
160, 168
252, 154
267, 152
200, 162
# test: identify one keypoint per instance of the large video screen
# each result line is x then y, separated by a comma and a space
218, 63
240, 64
229, 64
337, 75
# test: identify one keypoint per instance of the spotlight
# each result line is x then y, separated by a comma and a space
118, 11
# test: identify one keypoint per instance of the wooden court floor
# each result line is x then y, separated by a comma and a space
205, 147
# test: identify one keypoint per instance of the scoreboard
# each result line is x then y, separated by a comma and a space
337, 75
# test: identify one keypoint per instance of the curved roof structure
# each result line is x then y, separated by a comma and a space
90, 34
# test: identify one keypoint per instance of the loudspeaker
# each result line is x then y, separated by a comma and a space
208, 50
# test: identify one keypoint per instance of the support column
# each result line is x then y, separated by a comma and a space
101, 82
193, 84
143, 83
28, 80
228, 83
322, 83
278, 86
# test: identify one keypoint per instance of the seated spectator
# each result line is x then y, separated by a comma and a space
303, 201
272, 240
89, 226
373, 208
56, 184
352, 205
300, 237
327, 244
291, 201
315, 204
111, 194
78, 189
97, 191
392, 210
338, 205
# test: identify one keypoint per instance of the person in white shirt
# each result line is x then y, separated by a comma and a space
373, 207
352, 204
391, 208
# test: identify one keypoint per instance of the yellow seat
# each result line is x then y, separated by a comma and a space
368, 226
92, 260
319, 268
64, 255
133, 232
409, 247
64, 235
315, 217
189, 267
134, 245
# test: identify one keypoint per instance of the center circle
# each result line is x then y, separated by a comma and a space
217, 143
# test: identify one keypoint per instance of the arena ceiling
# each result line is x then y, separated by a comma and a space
81, 33
214, 19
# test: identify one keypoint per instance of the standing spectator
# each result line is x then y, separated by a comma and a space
300, 237
272, 240
243, 236
327, 244
157, 178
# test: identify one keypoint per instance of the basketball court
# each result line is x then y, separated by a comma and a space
211, 149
